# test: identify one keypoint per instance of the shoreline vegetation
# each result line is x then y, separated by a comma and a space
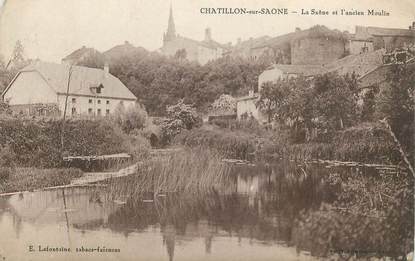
29, 179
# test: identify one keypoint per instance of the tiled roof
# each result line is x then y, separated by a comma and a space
82, 78
120, 51
359, 64
79, 53
306, 70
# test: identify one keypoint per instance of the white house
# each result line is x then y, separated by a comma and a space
42, 89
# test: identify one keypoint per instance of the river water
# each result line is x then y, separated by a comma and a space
252, 220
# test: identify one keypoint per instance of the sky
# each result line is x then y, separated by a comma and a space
51, 29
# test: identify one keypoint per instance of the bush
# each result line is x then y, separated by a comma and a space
137, 146
131, 118
233, 144
180, 117
7, 157
372, 213
4, 173
38, 143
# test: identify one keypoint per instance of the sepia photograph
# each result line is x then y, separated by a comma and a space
207, 130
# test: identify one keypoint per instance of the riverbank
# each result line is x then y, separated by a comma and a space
366, 143
29, 179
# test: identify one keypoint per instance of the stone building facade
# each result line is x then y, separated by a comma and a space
316, 50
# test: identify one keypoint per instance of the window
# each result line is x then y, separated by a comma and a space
73, 100
99, 112
108, 102
73, 111
122, 103
107, 111
90, 111
99, 101
90, 101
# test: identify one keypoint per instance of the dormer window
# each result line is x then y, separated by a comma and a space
96, 89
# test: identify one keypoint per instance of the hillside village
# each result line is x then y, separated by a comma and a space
364, 53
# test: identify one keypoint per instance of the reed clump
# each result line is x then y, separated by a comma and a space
189, 170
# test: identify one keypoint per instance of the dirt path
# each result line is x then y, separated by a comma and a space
87, 179
93, 177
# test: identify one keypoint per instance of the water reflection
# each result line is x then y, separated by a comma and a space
255, 215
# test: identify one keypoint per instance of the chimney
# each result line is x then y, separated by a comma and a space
239, 40
208, 35
106, 69
413, 25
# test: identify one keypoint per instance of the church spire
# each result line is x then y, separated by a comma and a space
171, 29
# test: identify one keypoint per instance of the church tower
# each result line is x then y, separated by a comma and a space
171, 30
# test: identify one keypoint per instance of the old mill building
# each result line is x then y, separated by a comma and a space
41, 89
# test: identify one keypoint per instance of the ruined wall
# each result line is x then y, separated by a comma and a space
316, 50
392, 42
358, 47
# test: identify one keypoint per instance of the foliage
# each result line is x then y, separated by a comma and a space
231, 144
326, 103
373, 214
191, 170
130, 118
181, 116
23, 179
160, 81
396, 103
38, 143
6, 156
225, 104
335, 100
180, 54
136, 145
272, 97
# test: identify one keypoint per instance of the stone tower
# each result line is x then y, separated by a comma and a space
171, 30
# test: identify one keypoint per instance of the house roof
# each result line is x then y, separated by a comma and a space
359, 64
79, 53
123, 50
82, 79
313, 32
208, 44
306, 70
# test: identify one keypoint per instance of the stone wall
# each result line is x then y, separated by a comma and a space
392, 42
319, 50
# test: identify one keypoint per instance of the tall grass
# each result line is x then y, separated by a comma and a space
190, 170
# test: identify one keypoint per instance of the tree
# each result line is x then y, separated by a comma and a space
225, 104
180, 54
272, 97
185, 113
335, 100
17, 59
131, 118
396, 104
180, 116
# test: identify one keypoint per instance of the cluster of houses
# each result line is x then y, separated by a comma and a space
56, 89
